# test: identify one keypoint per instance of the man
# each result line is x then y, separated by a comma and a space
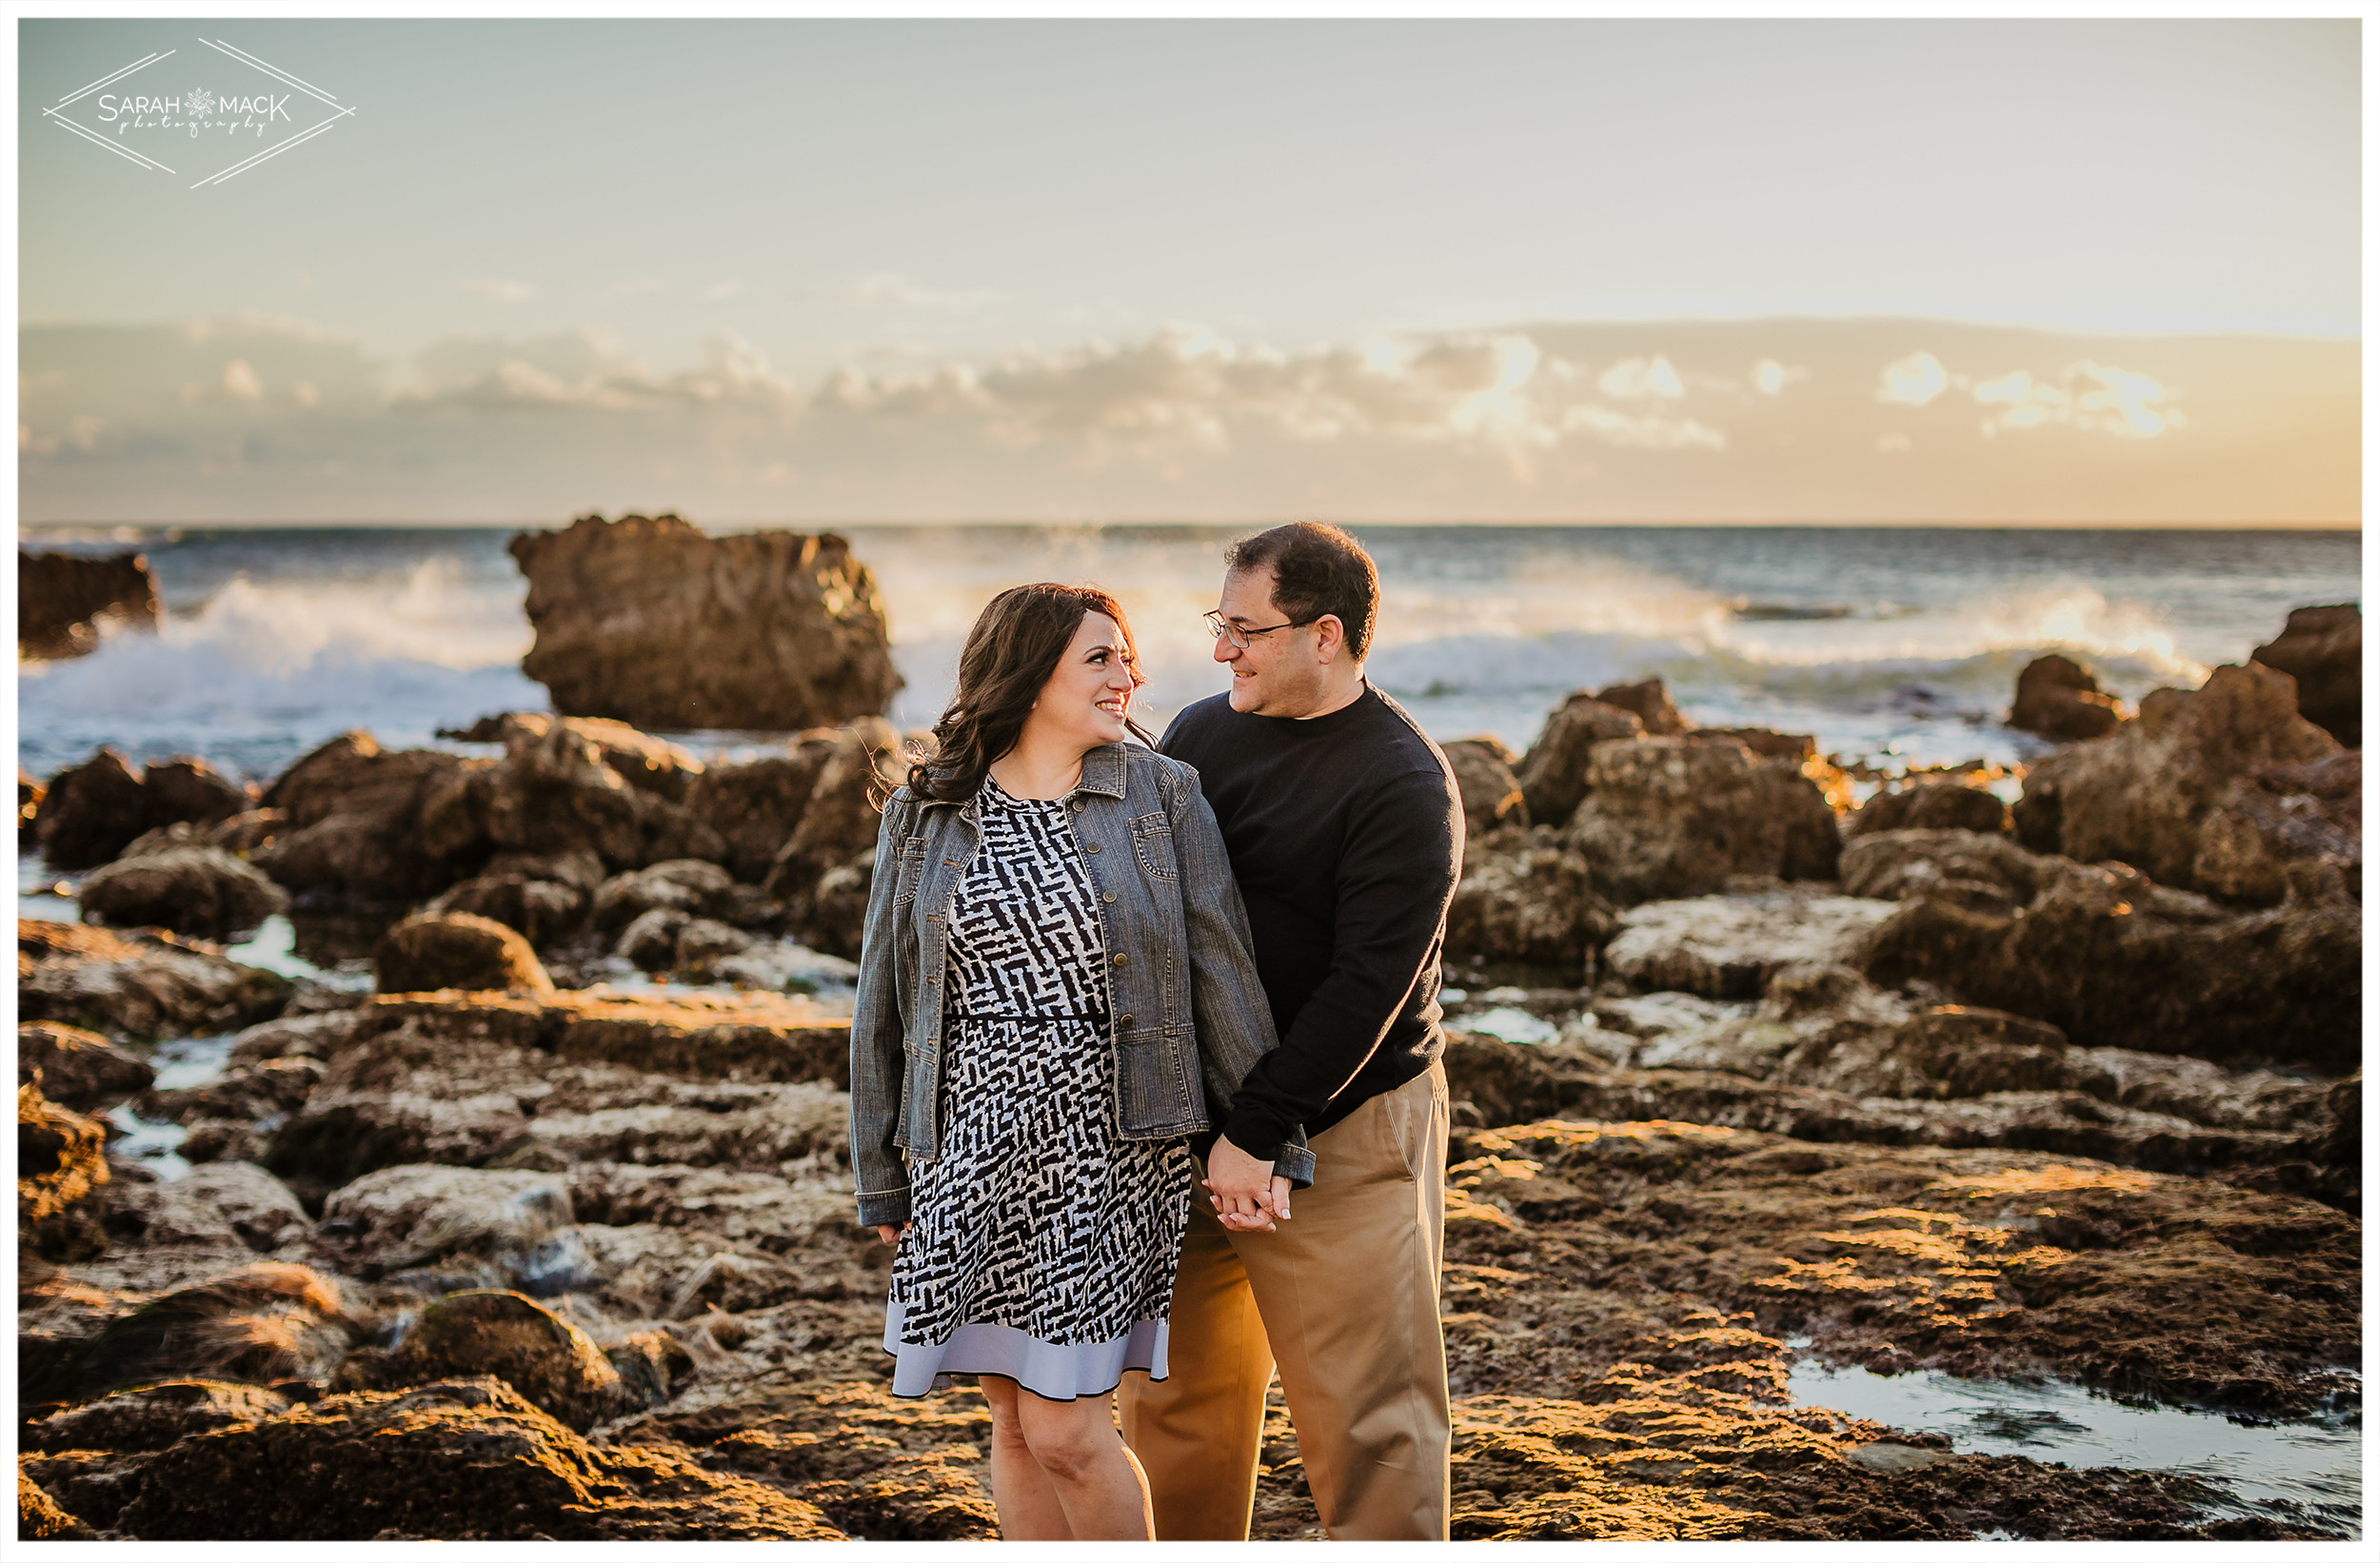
1345, 833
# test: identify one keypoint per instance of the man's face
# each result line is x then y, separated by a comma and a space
1278, 674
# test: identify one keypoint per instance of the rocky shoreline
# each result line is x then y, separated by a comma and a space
1755, 1061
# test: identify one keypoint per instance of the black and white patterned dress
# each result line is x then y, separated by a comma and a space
1041, 1247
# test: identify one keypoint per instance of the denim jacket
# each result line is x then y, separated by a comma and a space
1187, 1015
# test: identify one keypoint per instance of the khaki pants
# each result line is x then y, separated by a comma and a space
1344, 1295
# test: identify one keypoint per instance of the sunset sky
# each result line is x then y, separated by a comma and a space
1584, 269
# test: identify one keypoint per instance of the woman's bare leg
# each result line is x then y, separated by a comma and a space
1029, 1510
1100, 1486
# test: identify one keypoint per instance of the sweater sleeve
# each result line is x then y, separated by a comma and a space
1396, 879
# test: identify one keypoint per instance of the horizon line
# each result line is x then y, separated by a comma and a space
1352, 523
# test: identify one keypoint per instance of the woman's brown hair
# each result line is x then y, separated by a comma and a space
1010, 654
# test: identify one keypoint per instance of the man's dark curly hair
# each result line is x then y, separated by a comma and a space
1317, 569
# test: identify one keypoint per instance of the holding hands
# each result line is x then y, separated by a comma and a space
1244, 1192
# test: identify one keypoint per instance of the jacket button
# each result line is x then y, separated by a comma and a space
1107, 897
1077, 806
1123, 1023
1090, 846
1124, 959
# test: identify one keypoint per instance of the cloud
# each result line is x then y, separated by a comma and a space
250, 418
890, 287
724, 289
498, 289
1913, 381
2087, 395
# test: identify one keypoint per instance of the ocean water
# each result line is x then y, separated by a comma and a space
1894, 646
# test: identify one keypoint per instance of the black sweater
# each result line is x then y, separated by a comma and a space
1345, 833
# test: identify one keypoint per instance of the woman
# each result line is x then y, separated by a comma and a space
1028, 1062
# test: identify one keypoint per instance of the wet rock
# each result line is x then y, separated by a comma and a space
154, 1415
406, 1095
686, 885
1930, 805
261, 1207
175, 880
63, 599
2323, 649
2145, 796
784, 966
38, 1516
61, 1169
1491, 793
249, 1091
187, 790
1648, 699
1668, 817
1552, 775
355, 822
846, 804
1526, 898
649, 764
316, 1036
747, 1038
650, 943
646, 621
463, 1460
1730, 946
2059, 697
2287, 830
2116, 960
1949, 1052
90, 812
1985, 871
141, 986
75, 1068
259, 1324
247, 832
832, 914
703, 944
455, 950
756, 806
403, 1218
542, 897
548, 1360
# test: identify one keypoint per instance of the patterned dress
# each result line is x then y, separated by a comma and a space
1041, 1247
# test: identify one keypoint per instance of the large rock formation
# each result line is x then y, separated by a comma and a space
62, 599
90, 812
355, 822
1552, 775
1483, 777
2113, 959
456, 950
1526, 899
141, 986
2059, 697
1930, 805
2149, 794
1673, 817
77, 1068
2323, 649
647, 620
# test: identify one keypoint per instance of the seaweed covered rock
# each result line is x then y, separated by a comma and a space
257, 1324
90, 812
1730, 946
466, 1459
647, 620
61, 1168
1930, 805
354, 826
546, 1359
139, 985
76, 1068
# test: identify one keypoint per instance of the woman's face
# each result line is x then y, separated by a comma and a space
1088, 696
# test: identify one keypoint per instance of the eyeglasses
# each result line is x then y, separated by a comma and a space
1223, 629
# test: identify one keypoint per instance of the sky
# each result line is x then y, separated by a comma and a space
1210, 271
